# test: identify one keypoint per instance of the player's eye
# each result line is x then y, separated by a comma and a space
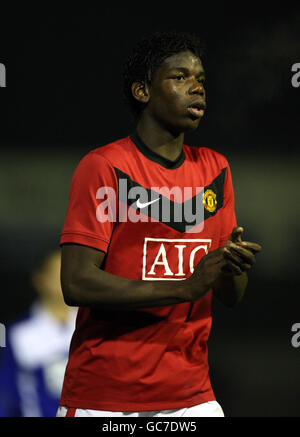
179, 77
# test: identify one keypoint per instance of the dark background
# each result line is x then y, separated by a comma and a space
63, 98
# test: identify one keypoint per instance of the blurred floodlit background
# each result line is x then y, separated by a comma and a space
63, 98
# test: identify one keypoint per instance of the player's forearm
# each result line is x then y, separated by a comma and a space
230, 289
99, 289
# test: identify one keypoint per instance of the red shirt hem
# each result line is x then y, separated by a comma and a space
132, 406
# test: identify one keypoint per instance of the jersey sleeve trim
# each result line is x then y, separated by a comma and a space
82, 226
85, 240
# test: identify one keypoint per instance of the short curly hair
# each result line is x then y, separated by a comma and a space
149, 54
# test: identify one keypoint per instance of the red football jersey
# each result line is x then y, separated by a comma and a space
139, 208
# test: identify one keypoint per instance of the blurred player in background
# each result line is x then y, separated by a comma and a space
33, 362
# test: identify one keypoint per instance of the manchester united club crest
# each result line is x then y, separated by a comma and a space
210, 200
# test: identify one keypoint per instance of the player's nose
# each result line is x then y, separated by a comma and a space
196, 87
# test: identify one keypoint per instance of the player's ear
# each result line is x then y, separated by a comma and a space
140, 91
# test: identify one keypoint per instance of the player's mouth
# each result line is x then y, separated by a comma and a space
196, 108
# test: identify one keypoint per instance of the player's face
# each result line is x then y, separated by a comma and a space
177, 94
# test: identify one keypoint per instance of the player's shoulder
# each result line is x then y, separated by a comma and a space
21, 328
103, 160
206, 155
32, 329
110, 151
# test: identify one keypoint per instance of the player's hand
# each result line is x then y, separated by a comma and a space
206, 272
240, 254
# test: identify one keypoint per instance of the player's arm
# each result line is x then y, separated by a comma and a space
230, 286
84, 283
230, 289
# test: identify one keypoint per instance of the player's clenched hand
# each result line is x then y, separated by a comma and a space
206, 272
240, 254
234, 258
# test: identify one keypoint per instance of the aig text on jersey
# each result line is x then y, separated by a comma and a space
2, 76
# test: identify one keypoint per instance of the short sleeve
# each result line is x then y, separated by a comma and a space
91, 212
228, 217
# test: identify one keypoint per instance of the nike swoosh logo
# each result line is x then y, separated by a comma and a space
144, 205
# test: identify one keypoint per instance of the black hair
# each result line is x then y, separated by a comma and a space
149, 54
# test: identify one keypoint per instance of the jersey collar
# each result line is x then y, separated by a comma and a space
153, 156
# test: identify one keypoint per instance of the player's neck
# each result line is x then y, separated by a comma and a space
160, 140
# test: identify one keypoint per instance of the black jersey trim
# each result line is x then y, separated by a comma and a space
153, 156
155, 210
